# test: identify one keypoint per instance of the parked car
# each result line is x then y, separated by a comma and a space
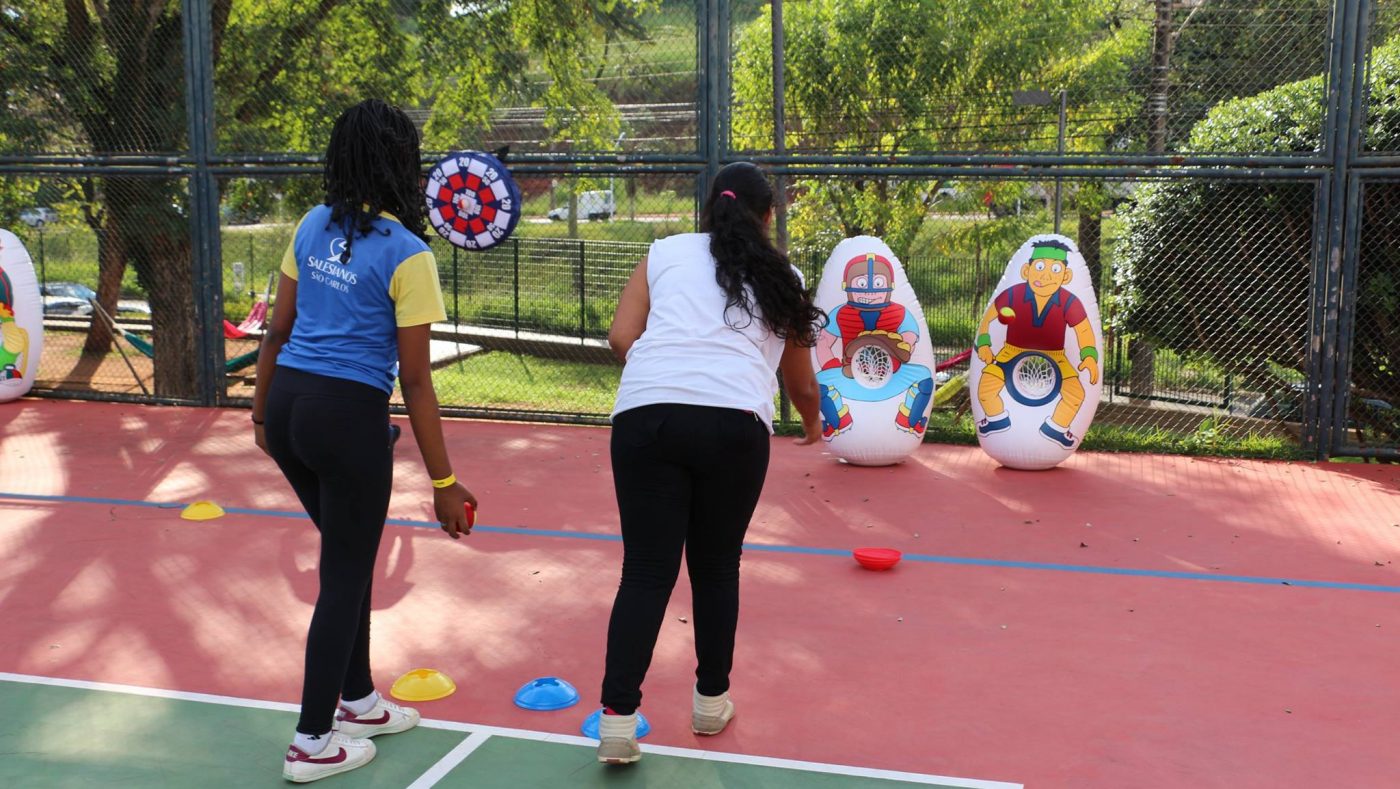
67, 298
75, 298
38, 217
598, 204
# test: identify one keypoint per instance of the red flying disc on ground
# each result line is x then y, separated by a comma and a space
877, 558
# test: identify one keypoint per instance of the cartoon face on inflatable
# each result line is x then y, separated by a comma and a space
1037, 373
875, 364
21, 319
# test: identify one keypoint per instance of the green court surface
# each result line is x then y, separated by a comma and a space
58, 733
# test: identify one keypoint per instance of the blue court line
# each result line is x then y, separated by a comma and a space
1179, 575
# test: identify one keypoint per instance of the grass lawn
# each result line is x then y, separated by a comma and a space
514, 381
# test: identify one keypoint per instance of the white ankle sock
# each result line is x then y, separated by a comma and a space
617, 726
712, 706
312, 744
364, 705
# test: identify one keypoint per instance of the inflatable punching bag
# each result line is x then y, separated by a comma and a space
874, 360
21, 319
1037, 370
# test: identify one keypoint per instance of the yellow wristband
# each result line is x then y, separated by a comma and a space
445, 482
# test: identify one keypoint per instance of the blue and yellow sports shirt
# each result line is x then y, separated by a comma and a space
349, 312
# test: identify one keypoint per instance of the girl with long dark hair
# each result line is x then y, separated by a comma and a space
702, 325
355, 302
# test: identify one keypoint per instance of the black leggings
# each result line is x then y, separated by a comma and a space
687, 477
330, 437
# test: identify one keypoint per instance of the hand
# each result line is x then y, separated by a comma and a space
985, 354
811, 432
260, 438
450, 505
1092, 365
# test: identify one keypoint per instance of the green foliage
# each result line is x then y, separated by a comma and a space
889, 77
1222, 268
516, 381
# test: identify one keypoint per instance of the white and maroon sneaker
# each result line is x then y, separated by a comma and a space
341, 754
385, 717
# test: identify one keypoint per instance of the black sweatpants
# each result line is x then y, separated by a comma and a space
330, 437
686, 477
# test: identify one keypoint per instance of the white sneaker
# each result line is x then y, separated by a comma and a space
617, 739
710, 714
385, 717
341, 754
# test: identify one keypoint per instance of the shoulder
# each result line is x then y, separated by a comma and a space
677, 251
403, 244
314, 220
682, 242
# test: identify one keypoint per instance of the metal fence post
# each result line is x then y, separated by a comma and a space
206, 265
780, 183
516, 289
1326, 404
582, 295
710, 82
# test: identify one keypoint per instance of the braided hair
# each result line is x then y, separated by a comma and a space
751, 270
373, 165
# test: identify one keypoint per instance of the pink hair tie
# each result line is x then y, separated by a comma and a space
729, 194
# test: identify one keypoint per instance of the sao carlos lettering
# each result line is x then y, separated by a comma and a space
331, 272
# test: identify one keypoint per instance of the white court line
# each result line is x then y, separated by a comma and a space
449, 762
525, 734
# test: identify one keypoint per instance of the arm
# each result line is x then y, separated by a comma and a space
826, 348
416, 379
277, 334
801, 384
630, 320
1088, 352
984, 340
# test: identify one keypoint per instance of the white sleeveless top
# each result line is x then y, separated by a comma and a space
689, 353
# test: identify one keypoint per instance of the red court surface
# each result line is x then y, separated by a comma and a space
1123, 621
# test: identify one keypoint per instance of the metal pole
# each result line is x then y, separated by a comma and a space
582, 295
43, 272
1327, 401
204, 201
456, 314
252, 268
708, 32
1060, 147
517, 288
779, 182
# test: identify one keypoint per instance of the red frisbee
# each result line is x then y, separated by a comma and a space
877, 558
471, 514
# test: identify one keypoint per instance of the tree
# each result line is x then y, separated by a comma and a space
1222, 268
892, 77
109, 77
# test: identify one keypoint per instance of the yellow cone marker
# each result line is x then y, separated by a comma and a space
423, 684
202, 511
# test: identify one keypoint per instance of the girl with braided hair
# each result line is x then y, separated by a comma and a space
355, 303
702, 325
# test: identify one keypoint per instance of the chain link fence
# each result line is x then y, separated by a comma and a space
1372, 403
1200, 152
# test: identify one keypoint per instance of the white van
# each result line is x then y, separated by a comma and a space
598, 204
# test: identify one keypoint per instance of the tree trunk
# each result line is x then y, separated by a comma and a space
1141, 353
111, 266
1090, 238
158, 245
1160, 79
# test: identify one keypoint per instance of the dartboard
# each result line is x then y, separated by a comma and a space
472, 200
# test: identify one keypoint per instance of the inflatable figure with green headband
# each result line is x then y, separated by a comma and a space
14, 341
1037, 312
